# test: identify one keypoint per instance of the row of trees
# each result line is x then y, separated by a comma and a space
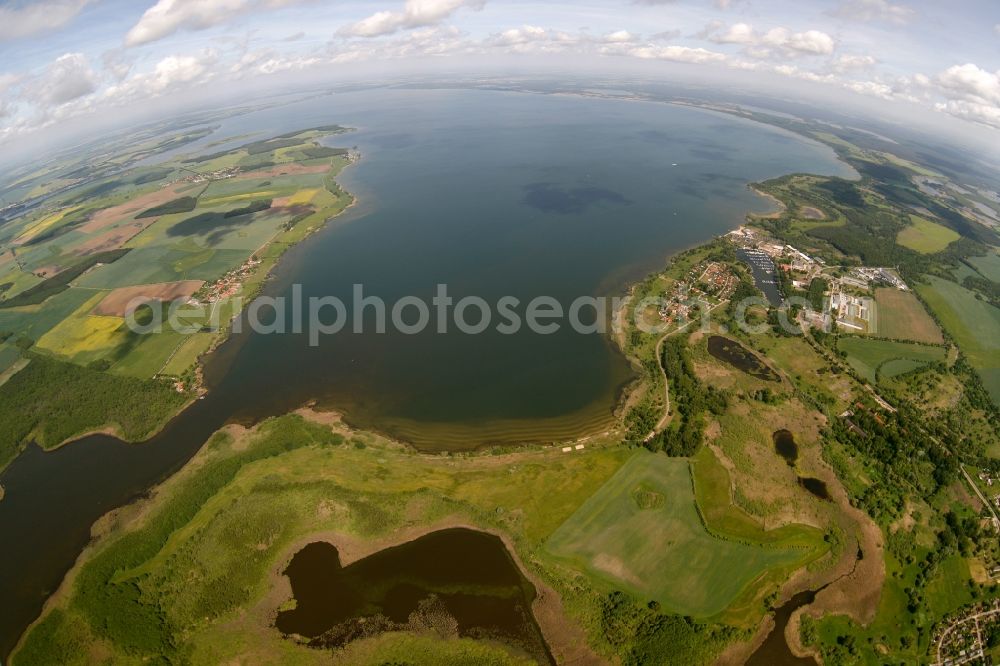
689, 400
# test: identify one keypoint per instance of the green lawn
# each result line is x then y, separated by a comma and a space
642, 530
925, 236
875, 359
973, 323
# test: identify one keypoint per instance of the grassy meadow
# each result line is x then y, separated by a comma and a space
975, 325
925, 236
642, 530
878, 359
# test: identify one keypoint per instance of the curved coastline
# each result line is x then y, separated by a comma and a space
623, 393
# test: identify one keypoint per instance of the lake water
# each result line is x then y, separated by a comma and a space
494, 194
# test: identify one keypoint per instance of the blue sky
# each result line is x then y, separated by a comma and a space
70, 59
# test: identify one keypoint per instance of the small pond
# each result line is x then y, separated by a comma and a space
454, 582
815, 486
785, 446
740, 358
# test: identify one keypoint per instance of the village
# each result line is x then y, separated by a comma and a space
709, 282
227, 286
971, 638
220, 174
991, 481
847, 300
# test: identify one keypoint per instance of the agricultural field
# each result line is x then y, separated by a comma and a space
185, 229
925, 236
885, 359
642, 530
988, 265
975, 325
9, 355
901, 316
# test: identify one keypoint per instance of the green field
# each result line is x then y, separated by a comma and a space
187, 354
875, 359
642, 530
9, 355
973, 323
988, 266
163, 264
34, 321
901, 316
925, 236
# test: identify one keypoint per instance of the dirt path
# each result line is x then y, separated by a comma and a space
666, 382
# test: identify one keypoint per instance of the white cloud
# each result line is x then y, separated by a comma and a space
619, 37
523, 35
37, 17
847, 62
871, 88
66, 79
738, 33
969, 91
117, 64
171, 73
815, 42
977, 113
972, 83
676, 54
415, 14
168, 16
809, 42
873, 10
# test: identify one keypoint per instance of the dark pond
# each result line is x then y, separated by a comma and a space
455, 580
784, 444
740, 358
815, 486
